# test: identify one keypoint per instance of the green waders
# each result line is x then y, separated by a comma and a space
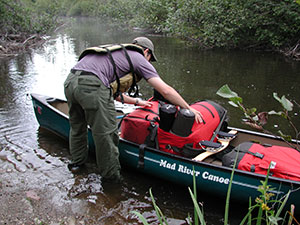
91, 103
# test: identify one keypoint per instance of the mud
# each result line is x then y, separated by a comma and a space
37, 188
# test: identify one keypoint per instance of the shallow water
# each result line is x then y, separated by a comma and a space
34, 159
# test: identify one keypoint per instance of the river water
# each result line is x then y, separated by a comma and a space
32, 159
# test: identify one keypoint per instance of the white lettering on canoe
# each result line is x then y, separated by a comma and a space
167, 165
184, 169
215, 178
181, 168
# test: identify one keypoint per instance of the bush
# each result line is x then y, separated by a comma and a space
260, 24
82, 8
269, 24
235, 23
154, 13
27, 16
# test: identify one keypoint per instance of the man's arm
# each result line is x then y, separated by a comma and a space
129, 100
172, 96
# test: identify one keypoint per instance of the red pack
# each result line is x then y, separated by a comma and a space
284, 162
200, 131
134, 126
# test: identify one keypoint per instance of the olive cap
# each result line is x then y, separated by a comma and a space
145, 43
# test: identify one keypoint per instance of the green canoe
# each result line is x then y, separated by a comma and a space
211, 176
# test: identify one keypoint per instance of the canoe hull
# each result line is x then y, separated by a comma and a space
210, 178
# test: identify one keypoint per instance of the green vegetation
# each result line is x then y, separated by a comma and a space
198, 212
265, 213
258, 120
23, 22
266, 209
28, 17
247, 24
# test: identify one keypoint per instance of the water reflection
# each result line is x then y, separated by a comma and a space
37, 159
51, 64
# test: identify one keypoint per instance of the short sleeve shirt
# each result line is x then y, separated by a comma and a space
100, 64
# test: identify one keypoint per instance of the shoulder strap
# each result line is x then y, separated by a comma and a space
115, 74
134, 85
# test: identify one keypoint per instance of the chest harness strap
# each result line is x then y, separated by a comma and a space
134, 85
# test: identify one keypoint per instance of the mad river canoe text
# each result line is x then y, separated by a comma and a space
184, 169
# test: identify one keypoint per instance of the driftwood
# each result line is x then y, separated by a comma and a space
294, 52
13, 44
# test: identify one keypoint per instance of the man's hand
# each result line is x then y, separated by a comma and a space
198, 115
144, 103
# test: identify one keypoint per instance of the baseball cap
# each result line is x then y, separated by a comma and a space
145, 43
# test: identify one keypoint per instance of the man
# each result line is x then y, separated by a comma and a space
90, 95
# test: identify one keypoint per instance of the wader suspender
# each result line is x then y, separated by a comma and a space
133, 85
115, 74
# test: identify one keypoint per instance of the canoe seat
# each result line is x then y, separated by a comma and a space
222, 141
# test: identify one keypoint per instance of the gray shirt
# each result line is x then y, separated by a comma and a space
101, 65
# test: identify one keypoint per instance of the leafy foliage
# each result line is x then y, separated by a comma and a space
27, 16
264, 203
258, 119
268, 24
235, 23
153, 14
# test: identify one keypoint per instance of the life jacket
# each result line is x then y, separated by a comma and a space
128, 81
142, 127
283, 161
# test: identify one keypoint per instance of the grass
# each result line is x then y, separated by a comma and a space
262, 212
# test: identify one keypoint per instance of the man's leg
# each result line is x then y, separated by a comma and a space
99, 109
101, 117
78, 125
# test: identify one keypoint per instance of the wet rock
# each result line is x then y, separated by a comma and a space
3, 155
19, 158
32, 195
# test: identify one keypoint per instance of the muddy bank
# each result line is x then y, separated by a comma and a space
52, 195
30, 196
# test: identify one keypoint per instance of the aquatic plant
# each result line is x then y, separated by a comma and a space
256, 119
198, 211
269, 210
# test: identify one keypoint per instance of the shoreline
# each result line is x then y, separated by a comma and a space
14, 44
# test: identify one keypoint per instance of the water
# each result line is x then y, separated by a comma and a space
33, 159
